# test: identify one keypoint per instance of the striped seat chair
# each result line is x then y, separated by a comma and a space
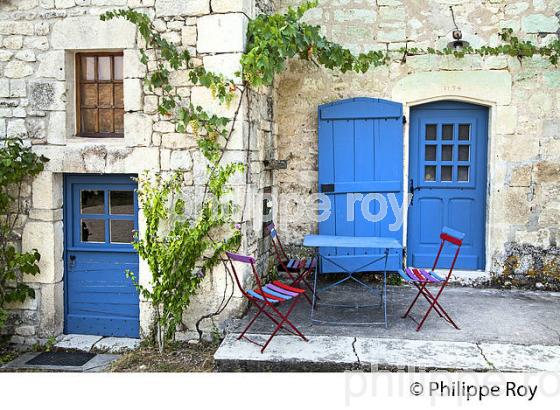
298, 270
267, 297
421, 278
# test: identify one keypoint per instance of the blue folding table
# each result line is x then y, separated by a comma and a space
369, 242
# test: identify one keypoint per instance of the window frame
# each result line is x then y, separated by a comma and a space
79, 81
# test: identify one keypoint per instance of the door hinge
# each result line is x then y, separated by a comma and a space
327, 187
404, 119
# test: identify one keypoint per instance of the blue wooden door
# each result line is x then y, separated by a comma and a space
448, 156
100, 215
361, 153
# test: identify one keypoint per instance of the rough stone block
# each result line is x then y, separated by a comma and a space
132, 66
47, 95
56, 130
203, 96
133, 94
18, 88
182, 8
510, 148
176, 140
16, 129
232, 6
137, 129
493, 85
4, 88
8, 27
521, 176
64, 4
89, 32
18, 69
52, 65
516, 207
506, 119
226, 64
536, 23
47, 238
51, 306
13, 42
188, 36
47, 191
222, 33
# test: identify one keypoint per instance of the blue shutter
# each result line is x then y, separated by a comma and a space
360, 151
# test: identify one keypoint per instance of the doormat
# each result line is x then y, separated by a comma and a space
61, 359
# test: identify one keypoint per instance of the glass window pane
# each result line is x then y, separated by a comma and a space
464, 132
119, 121
118, 67
92, 230
121, 202
431, 132
87, 68
88, 95
463, 174
464, 152
121, 231
106, 95
430, 154
429, 173
106, 120
447, 152
89, 120
446, 173
447, 132
92, 202
118, 96
104, 68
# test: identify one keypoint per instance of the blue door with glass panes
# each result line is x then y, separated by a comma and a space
100, 217
448, 179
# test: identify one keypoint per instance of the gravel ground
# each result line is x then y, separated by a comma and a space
181, 357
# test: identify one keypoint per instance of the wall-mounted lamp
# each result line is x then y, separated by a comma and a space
458, 43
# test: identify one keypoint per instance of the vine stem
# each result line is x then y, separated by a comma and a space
233, 121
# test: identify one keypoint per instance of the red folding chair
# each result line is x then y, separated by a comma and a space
266, 298
421, 278
298, 270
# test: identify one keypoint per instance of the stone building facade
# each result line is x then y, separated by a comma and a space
40, 38
522, 210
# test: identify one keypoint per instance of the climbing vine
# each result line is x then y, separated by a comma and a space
179, 247
18, 165
179, 254
274, 39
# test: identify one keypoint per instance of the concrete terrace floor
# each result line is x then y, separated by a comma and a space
499, 318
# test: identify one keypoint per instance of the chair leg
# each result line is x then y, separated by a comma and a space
292, 306
429, 297
261, 310
281, 324
434, 302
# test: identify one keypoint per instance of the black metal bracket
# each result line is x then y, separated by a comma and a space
275, 164
327, 187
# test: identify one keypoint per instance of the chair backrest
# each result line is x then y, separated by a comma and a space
279, 253
454, 237
235, 257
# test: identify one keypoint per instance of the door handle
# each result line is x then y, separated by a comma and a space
71, 261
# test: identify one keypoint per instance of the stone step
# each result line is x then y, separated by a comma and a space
340, 353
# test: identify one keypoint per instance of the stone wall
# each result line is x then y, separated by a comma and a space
523, 96
38, 41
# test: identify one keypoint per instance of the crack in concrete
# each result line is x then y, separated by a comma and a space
477, 344
355, 352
